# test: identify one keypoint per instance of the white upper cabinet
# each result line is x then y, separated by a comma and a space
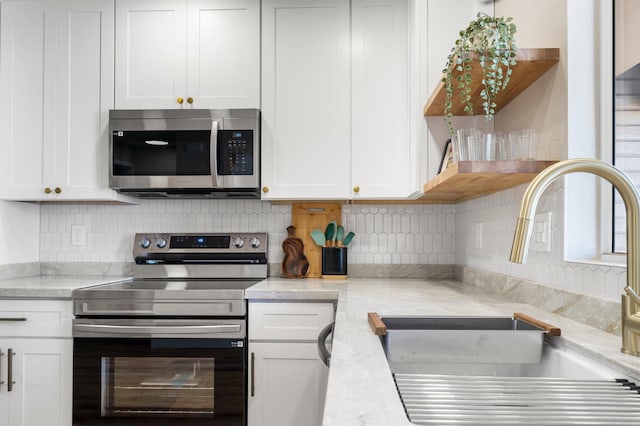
306, 102
383, 154
56, 86
187, 54
83, 98
335, 100
27, 97
223, 53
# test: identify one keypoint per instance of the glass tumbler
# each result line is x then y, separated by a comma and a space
503, 149
489, 146
467, 141
523, 144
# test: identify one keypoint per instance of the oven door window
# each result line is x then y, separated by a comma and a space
159, 382
162, 386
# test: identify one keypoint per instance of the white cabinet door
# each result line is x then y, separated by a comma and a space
27, 97
327, 134
223, 53
84, 97
306, 101
383, 153
56, 86
187, 54
150, 53
287, 386
42, 372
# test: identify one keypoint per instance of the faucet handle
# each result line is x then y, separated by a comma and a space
633, 295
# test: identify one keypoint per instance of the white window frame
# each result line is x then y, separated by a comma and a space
601, 240
607, 131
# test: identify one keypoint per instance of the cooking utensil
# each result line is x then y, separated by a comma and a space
347, 238
318, 237
339, 234
295, 263
330, 232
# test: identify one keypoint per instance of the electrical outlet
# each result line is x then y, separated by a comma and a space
78, 235
478, 238
541, 235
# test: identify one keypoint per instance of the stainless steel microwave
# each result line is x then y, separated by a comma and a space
197, 153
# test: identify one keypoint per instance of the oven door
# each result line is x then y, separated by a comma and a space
134, 372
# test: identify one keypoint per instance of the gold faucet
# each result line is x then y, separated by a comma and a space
631, 198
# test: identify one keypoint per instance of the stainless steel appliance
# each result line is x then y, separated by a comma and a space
168, 347
192, 153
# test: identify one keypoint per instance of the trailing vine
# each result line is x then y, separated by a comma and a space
490, 40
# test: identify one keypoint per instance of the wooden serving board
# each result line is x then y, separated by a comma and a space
307, 217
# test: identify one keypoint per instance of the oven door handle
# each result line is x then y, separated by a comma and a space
155, 329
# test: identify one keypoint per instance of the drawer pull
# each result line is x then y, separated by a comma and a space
10, 381
1, 355
13, 319
253, 377
323, 352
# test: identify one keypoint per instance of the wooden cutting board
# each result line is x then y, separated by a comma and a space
308, 216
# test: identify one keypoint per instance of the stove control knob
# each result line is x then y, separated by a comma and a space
238, 242
144, 242
161, 243
255, 243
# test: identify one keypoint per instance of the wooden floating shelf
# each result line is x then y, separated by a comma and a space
531, 64
470, 179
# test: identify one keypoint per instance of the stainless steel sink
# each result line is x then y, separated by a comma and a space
482, 346
412, 342
488, 370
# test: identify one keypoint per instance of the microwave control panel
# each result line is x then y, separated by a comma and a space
235, 152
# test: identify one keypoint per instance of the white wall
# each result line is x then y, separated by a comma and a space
446, 18
19, 232
565, 105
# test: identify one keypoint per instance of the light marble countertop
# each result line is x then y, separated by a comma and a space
361, 390
49, 286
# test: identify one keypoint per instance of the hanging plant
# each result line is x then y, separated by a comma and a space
491, 41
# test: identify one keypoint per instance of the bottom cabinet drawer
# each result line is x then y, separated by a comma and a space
288, 321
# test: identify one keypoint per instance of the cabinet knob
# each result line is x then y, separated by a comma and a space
189, 100
265, 189
47, 190
180, 100
57, 190
356, 189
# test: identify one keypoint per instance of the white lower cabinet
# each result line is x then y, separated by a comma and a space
287, 379
36, 383
289, 383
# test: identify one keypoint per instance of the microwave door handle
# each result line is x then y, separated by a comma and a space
214, 153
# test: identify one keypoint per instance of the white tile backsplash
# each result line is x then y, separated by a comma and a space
498, 213
386, 234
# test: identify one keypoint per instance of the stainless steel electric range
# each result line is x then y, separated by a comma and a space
168, 347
